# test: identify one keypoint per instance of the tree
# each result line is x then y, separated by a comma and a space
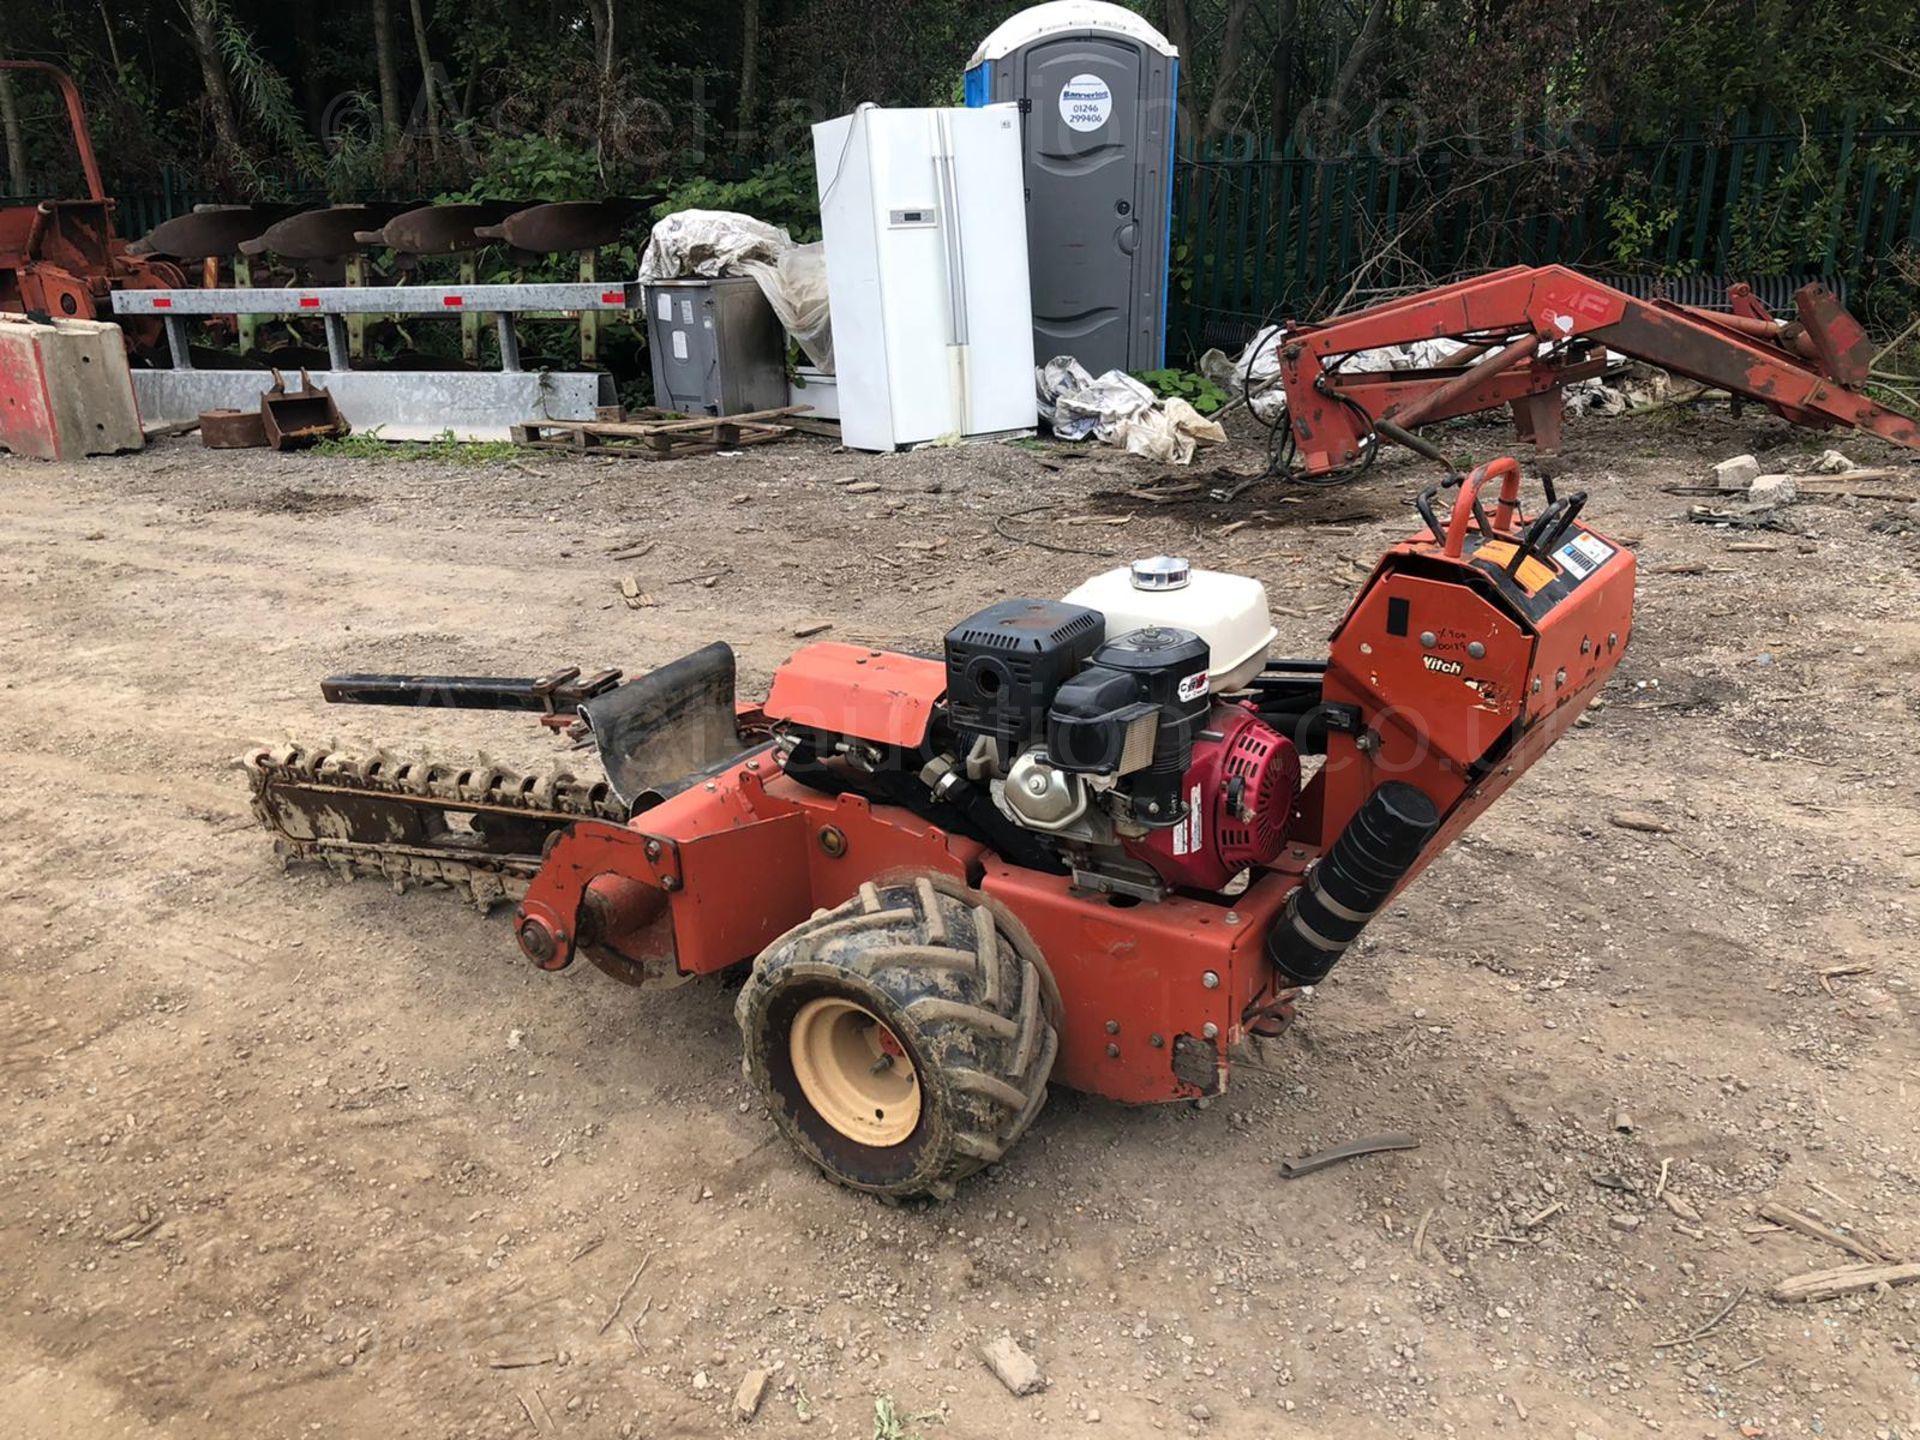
203, 26
1227, 71
603, 52
1179, 23
426, 82
16, 141
749, 71
1286, 21
382, 16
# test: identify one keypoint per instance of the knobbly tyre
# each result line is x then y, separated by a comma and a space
1097, 843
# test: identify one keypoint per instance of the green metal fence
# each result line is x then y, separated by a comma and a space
1259, 232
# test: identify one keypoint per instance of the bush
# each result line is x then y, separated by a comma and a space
1196, 390
780, 193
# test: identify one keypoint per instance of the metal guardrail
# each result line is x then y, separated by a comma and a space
399, 404
334, 303
380, 300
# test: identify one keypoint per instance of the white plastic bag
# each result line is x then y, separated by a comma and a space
721, 242
1118, 410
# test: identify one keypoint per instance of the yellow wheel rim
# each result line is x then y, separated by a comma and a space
854, 1071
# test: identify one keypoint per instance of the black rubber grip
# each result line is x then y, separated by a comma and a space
1351, 882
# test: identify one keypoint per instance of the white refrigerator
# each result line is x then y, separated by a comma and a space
923, 213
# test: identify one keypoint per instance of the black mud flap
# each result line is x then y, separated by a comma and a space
670, 722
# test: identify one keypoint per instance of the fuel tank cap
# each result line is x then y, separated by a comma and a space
1161, 572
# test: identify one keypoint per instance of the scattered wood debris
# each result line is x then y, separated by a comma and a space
621, 1303
528, 1361
1700, 1331
1842, 1280
135, 1231
1807, 1225
657, 438
1000, 529
1640, 820
1827, 977
1682, 1208
1542, 1215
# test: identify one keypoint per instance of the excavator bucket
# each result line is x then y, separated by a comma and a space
293, 419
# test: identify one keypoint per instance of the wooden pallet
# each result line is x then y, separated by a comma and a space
666, 437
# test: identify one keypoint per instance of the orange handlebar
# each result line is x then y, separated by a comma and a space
1506, 509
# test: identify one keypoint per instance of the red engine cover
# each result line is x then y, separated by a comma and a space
1240, 790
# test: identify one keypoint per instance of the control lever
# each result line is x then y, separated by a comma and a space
1545, 533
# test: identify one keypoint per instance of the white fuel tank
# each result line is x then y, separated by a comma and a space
1229, 612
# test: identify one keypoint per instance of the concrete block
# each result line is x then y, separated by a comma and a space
1012, 1366
66, 390
1773, 490
752, 1391
1737, 473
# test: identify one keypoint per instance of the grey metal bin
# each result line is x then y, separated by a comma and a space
1096, 84
717, 347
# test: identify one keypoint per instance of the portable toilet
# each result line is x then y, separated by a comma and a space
1096, 86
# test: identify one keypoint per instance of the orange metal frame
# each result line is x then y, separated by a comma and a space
1462, 677
1808, 370
62, 257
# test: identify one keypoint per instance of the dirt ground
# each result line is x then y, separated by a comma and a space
288, 1157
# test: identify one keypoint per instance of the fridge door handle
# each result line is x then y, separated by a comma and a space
950, 241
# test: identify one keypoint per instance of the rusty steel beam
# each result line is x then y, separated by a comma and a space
1810, 371
76, 116
1520, 348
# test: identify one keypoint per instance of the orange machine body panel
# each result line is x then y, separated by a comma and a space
743, 857
1474, 672
852, 690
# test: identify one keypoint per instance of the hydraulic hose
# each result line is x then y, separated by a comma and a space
1351, 882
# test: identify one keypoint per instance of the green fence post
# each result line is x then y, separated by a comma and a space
1243, 299
1683, 175
1283, 239
1869, 187
1835, 213
1703, 211
1260, 302
1729, 202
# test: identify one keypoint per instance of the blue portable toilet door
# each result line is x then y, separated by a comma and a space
1083, 243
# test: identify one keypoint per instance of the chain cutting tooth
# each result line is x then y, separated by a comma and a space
548, 786
278, 775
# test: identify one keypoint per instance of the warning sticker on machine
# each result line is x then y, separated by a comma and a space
1189, 835
1086, 102
1583, 555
